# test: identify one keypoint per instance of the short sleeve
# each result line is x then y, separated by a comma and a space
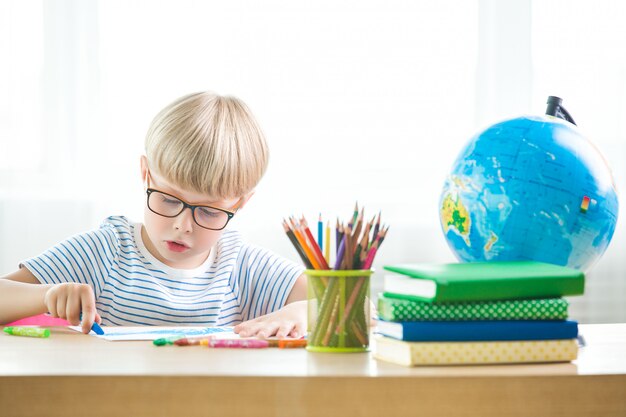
265, 281
85, 258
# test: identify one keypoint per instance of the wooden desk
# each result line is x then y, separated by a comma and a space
70, 374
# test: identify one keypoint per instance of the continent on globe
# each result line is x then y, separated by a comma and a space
530, 188
454, 216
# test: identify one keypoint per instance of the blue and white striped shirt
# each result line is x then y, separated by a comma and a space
236, 283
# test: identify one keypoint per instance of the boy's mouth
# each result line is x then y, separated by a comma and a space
176, 246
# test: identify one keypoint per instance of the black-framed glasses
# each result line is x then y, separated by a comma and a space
207, 217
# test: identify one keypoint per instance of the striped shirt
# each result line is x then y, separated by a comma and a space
237, 282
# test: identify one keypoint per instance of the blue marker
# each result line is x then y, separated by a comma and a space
95, 327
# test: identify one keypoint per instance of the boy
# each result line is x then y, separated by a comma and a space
204, 155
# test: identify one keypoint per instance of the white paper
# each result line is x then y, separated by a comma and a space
118, 333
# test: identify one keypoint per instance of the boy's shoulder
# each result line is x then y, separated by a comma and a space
233, 243
117, 222
118, 227
230, 239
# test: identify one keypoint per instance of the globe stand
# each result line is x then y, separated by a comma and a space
555, 109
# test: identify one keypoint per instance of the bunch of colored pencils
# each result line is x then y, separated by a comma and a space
338, 323
356, 244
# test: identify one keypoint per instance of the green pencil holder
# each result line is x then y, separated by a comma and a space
338, 313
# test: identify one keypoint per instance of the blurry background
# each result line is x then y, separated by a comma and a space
366, 101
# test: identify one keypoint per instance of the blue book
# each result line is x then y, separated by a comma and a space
491, 330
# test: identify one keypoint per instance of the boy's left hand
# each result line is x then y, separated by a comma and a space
289, 321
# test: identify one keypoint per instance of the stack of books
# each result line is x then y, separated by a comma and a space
477, 313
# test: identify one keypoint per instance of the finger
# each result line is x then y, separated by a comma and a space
373, 314
246, 328
98, 318
251, 328
88, 308
241, 328
284, 330
72, 308
267, 329
51, 304
297, 331
61, 302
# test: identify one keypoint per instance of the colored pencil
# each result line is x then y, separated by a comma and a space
291, 343
371, 253
355, 214
331, 322
340, 253
347, 258
297, 245
320, 233
357, 228
361, 246
191, 341
327, 245
337, 235
324, 310
383, 235
356, 248
376, 228
350, 303
235, 343
305, 246
358, 333
316, 249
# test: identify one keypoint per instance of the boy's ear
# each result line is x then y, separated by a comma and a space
143, 163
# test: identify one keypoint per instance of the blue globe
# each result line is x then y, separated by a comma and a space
530, 188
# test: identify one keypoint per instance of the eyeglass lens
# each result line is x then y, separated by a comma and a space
170, 206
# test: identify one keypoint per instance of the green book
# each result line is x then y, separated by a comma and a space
398, 309
479, 281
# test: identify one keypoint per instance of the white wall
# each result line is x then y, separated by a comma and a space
366, 101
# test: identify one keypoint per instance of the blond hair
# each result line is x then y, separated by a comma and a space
208, 143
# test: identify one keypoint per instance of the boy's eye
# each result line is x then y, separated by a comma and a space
208, 212
172, 201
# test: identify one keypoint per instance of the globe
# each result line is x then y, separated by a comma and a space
530, 188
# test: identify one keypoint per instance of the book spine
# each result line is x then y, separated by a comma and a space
411, 354
391, 308
460, 331
510, 289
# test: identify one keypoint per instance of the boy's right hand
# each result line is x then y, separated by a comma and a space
69, 300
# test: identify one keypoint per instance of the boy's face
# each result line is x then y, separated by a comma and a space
179, 242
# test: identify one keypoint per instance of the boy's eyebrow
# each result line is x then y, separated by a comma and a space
213, 203
169, 190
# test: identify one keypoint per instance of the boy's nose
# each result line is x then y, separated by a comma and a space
184, 221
